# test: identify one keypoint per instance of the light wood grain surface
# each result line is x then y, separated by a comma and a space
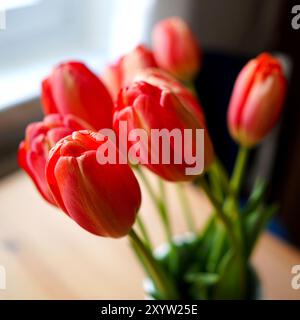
47, 256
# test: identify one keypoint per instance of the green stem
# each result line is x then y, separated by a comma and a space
235, 187
144, 232
160, 278
217, 250
158, 202
240, 231
239, 171
232, 205
187, 211
215, 183
224, 178
174, 258
163, 210
147, 184
219, 211
220, 183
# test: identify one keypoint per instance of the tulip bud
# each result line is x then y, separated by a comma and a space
101, 198
73, 89
40, 138
176, 49
148, 107
122, 73
257, 100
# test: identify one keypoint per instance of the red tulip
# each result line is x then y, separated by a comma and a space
40, 138
73, 89
112, 78
101, 198
257, 100
122, 73
164, 80
145, 106
176, 48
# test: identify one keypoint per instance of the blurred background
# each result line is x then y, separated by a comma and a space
41, 33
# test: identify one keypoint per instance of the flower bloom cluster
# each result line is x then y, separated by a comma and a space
138, 112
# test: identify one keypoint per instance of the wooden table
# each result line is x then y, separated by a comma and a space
47, 256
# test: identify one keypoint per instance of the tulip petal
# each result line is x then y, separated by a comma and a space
257, 100
34, 165
176, 48
74, 89
47, 98
240, 93
261, 110
148, 107
97, 196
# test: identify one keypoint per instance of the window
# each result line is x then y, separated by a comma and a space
6, 5
30, 22
38, 34
41, 33
12, 4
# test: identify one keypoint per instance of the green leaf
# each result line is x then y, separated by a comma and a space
229, 286
203, 279
256, 223
256, 198
200, 284
215, 183
219, 246
205, 240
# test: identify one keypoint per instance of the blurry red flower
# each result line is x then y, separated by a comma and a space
121, 74
101, 198
176, 49
73, 89
257, 100
40, 138
164, 80
145, 106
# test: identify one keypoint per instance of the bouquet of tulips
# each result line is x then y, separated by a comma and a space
94, 138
